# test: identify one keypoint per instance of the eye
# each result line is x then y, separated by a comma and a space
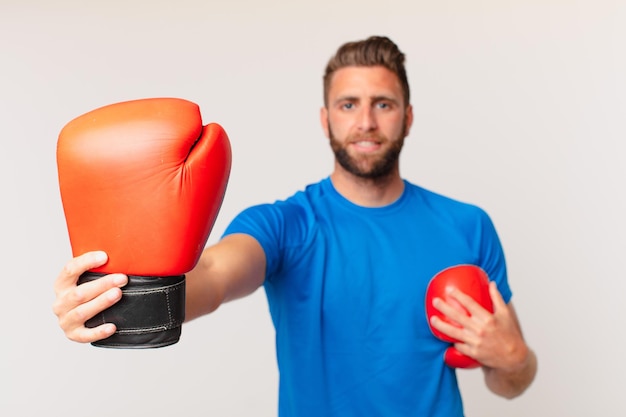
383, 105
347, 106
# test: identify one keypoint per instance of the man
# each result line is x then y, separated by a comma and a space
345, 264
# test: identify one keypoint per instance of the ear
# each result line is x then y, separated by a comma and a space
409, 119
324, 121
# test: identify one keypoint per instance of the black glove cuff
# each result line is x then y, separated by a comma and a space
149, 315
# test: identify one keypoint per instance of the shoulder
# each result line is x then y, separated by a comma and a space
444, 204
451, 213
295, 211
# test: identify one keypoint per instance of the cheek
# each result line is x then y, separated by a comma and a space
398, 127
338, 127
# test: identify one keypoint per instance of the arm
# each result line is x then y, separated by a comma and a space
495, 340
230, 269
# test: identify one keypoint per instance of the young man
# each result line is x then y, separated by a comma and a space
345, 264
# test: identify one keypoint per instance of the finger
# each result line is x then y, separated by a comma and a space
462, 335
472, 306
468, 349
454, 313
464, 348
471, 320
76, 296
448, 329
95, 289
89, 335
496, 297
75, 267
73, 322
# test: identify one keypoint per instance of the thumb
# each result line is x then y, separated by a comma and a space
496, 297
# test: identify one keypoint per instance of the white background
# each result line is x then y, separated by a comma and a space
520, 107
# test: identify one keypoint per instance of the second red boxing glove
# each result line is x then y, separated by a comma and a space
469, 279
143, 180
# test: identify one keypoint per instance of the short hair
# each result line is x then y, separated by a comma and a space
373, 51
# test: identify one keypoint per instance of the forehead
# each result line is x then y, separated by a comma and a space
364, 82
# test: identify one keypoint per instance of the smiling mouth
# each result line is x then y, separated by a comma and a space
367, 144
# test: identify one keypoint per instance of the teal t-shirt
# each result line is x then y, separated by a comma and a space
346, 287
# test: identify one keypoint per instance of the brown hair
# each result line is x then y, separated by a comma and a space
373, 51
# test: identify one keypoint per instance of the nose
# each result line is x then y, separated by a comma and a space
367, 119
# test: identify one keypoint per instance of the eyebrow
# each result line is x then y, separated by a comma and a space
375, 99
380, 98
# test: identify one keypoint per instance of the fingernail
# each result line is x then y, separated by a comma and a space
119, 279
114, 294
100, 256
108, 329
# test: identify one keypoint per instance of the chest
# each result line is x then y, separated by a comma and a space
375, 273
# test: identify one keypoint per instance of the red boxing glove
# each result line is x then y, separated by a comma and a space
143, 181
470, 280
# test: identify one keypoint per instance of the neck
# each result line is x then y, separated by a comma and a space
368, 192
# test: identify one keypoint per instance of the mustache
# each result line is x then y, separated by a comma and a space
373, 137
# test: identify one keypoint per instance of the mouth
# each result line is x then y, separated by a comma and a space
367, 145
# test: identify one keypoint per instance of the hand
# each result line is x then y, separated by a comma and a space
495, 340
75, 304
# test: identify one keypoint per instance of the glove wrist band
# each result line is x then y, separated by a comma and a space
149, 315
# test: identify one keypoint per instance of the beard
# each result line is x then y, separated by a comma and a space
371, 167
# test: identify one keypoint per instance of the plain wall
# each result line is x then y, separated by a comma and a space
519, 107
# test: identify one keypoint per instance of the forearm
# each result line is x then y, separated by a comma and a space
510, 383
231, 269
202, 296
